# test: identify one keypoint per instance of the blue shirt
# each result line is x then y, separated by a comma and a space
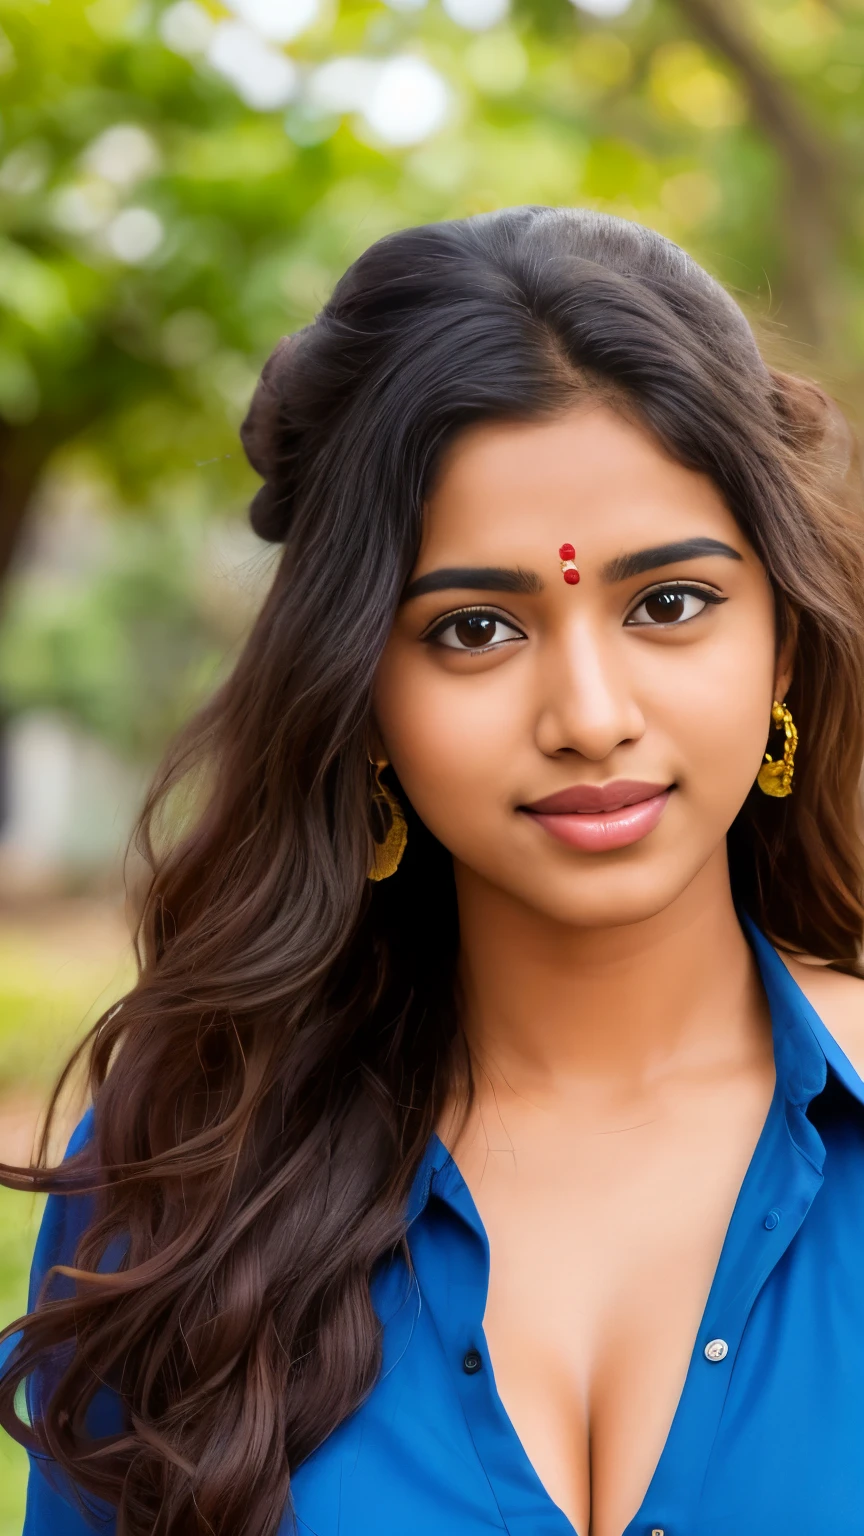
768, 1436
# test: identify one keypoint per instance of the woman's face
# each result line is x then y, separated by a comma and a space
583, 747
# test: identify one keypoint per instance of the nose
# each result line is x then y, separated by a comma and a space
587, 705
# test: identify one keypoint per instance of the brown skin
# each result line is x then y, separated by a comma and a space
613, 1007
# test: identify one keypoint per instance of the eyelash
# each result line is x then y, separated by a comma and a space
445, 623
707, 595
681, 589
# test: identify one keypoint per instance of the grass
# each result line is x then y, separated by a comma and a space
60, 967
19, 1220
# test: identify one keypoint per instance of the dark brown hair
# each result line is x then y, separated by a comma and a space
264, 1093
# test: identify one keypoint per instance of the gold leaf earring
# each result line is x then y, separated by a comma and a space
775, 778
389, 813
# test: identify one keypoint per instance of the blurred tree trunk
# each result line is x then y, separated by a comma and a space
24, 451
24, 454
812, 210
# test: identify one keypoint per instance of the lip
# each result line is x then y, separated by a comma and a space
583, 798
598, 818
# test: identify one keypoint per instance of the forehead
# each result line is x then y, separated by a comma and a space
588, 476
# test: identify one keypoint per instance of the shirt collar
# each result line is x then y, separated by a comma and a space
804, 1051
804, 1047
434, 1159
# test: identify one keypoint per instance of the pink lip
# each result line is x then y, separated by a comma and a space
598, 818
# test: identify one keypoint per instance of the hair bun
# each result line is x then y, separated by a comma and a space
266, 438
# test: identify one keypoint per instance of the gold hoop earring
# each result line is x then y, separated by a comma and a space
775, 778
389, 812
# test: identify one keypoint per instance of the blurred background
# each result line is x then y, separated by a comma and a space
181, 184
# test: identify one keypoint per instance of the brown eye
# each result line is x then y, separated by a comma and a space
474, 632
672, 606
475, 629
664, 607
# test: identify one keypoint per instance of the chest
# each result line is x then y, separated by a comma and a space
602, 1253
766, 1440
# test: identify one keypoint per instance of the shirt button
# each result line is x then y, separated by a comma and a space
772, 1220
472, 1363
657, 1531
718, 1349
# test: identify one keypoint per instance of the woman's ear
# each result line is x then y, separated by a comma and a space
785, 668
375, 749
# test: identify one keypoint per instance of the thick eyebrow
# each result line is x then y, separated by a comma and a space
480, 578
642, 560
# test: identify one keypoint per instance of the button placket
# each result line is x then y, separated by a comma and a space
747, 1259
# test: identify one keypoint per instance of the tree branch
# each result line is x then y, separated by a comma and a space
811, 207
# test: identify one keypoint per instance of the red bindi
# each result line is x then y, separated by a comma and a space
568, 564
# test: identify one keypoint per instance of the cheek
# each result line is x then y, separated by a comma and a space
450, 738
717, 712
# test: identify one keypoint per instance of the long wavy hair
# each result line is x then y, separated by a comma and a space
264, 1093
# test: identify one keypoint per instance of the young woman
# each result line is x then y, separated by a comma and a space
479, 1149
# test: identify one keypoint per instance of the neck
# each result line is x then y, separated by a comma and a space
553, 1011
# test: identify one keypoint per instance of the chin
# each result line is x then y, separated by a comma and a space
615, 911
610, 897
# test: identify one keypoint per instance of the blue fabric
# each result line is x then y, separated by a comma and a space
768, 1440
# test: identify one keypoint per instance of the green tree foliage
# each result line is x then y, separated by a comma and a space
178, 189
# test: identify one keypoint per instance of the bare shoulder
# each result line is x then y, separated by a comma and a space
839, 1002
